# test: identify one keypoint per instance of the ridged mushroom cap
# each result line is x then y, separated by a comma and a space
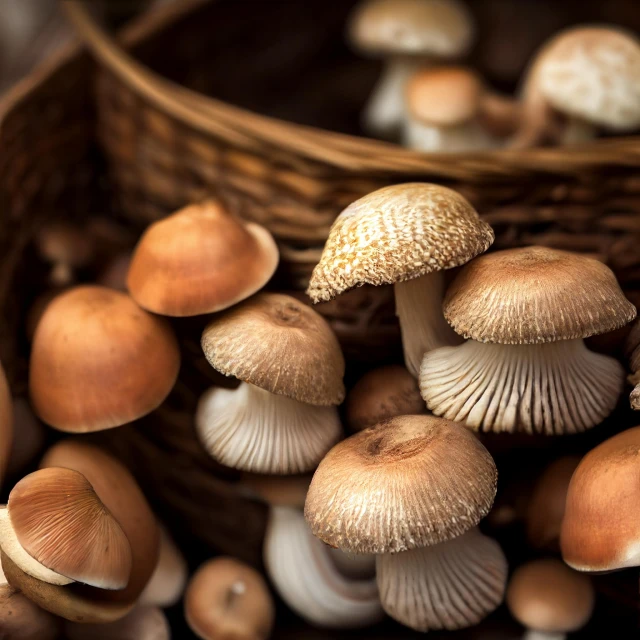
435, 28
279, 344
113, 361
407, 483
398, 233
6, 423
200, 260
60, 522
534, 295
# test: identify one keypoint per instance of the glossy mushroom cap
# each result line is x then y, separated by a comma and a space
113, 361
381, 490
228, 599
381, 394
200, 260
600, 528
444, 96
535, 295
143, 623
546, 595
431, 28
395, 234
6, 423
279, 344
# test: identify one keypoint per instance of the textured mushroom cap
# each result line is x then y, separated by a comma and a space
600, 528
435, 28
545, 595
99, 361
534, 295
279, 344
398, 233
444, 96
60, 522
593, 73
407, 483
200, 260
143, 623
6, 423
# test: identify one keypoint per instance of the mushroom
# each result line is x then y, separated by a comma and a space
590, 75
633, 353
113, 361
600, 528
143, 623
278, 491
550, 599
6, 423
200, 260
545, 510
281, 418
404, 235
308, 578
409, 33
451, 585
409, 482
381, 394
525, 366
226, 599
28, 436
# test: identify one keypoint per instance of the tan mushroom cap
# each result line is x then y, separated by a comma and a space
6, 422
279, 344
200, 260
534, 295
398, 233
437, 28
381, 490
99, 361
546, 595
444, 96
60, 522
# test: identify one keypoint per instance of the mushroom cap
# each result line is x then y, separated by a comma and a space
381, 394
99, 361
434, 28
600, 528
60, 522
200, 260
6, 423
398, 233
534, 295
279, 344
593, 73
381, 490
546, 595
444, 96
143, 623
228, 599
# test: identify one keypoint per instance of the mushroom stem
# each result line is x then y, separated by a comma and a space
468, 136
576, 131
419, 311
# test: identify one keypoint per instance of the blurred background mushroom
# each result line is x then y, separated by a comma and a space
143, 623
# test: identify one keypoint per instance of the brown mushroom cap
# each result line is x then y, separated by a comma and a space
381, 394
6, 422
279, 344
381, 490
395, 234
228, 599
601, 528
99, 361
546, 595
534, 295
200, 260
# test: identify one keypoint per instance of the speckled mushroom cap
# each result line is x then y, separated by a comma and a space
406, 483
593, 73
535, 295
438, 28
398, 233
279, 344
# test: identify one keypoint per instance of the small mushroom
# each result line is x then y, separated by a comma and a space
404, 235
550, 599
381, 394
200, 260
277, 491
228, 600
113, 361
525, 367
6, 423
408, 33
383, 489
451, 585
143, 623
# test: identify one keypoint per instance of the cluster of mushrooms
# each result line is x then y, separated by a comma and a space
582, 81
389, 521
